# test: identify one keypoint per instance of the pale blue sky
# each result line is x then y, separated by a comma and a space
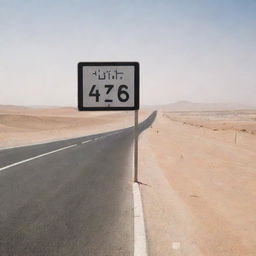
197, 50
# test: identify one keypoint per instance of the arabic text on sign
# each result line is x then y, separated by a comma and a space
102, 75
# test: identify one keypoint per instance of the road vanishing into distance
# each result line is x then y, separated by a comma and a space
70, 197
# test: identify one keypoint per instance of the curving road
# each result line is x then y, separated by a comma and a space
71, 197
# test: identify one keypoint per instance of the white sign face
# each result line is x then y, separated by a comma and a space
108, 86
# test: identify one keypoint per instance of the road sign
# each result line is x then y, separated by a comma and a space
108, 86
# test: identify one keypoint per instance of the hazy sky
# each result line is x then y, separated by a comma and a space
197, 50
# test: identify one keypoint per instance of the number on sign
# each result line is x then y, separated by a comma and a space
96, 94
123, 95
110, 87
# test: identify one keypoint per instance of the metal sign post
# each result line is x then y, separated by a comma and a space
113, 86
136, 121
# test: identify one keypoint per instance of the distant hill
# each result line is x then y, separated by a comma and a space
192, 106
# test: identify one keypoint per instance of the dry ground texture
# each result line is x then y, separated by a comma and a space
199, 170
22, 126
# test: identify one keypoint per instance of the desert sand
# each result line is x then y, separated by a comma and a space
198, 172
27, 125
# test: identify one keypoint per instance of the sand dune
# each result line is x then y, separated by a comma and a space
24, 125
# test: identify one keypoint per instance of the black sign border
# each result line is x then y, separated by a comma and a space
136, 85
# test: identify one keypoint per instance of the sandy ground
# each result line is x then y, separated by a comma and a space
22, 126
239, 120
199, 187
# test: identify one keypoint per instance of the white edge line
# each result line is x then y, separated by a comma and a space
35, 157
140, 242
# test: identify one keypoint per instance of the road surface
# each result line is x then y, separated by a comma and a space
71, 197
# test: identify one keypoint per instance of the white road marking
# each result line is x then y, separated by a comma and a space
51, 141
35, 157
109, 134
140, 243
86, 141
41, 143
101, 137
51, 152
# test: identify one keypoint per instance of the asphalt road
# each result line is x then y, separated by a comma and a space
74, 199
